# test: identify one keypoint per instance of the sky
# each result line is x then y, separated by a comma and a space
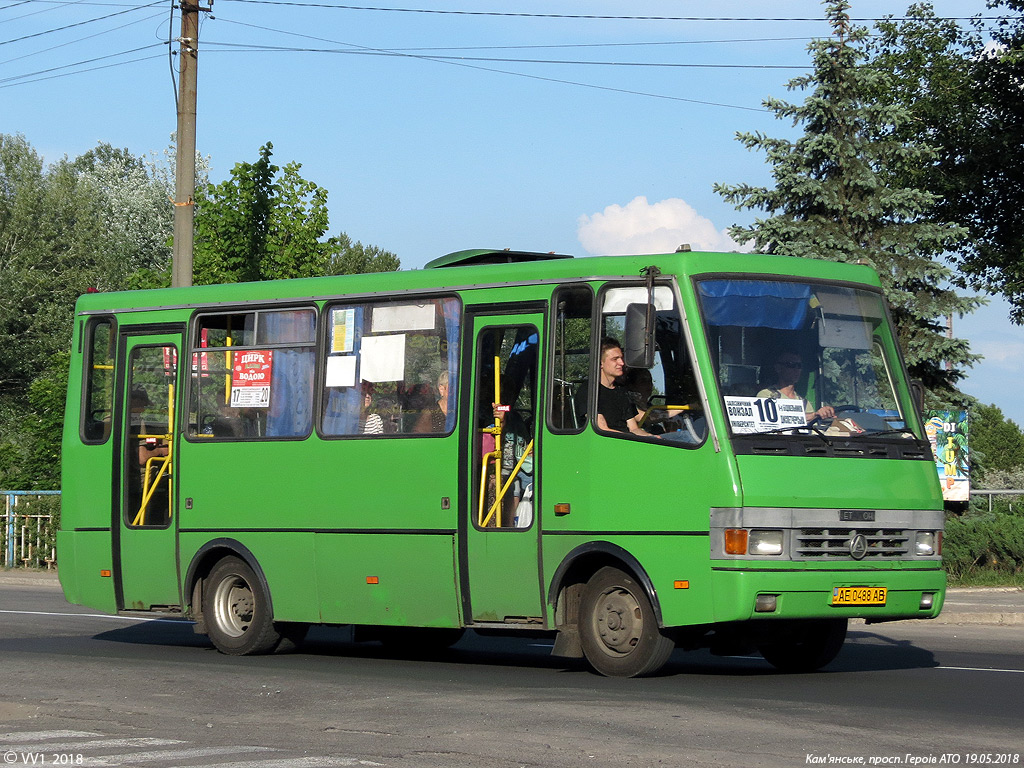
441, 125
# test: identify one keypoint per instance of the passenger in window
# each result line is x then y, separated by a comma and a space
517, 436
788, 368
369, 423
615, 410
435, 418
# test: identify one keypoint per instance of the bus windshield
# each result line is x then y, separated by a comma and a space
791, 357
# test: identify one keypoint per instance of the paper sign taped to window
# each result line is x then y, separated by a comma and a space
762, 414
251, 375
382, 358
406, 317
341, 371
343, 323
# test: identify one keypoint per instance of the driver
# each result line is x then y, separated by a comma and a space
787, 368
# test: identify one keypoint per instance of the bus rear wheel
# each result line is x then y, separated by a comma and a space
618, 628
808, 647
236, 608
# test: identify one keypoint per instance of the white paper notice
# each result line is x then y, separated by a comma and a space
341, 371
761, 414
403, 317
382, 358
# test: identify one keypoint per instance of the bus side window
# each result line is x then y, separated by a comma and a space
99, 381
252, 374
573, 308
391, 367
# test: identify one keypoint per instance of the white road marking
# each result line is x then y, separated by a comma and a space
300, 762
169, 754
76, 746
983, 669
43, 735
97, 616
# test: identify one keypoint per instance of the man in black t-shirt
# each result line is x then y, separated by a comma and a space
615, 410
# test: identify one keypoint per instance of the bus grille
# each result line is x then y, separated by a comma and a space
822, 543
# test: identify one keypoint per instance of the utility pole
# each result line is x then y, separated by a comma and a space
185, 150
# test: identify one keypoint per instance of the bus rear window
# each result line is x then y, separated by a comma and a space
99, 380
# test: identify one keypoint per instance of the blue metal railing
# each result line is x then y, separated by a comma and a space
26, 539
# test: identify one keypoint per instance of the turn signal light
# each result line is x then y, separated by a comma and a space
735, 541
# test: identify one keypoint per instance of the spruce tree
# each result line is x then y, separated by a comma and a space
832, 199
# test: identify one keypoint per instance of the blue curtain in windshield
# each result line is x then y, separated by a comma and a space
755, 303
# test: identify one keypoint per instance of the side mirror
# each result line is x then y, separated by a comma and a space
638, 343
917, 393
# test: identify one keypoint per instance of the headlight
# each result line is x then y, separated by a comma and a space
927, 543
765, 543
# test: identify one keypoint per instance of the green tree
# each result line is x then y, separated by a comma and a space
267, 223
348, 258
94, 221
256, 226
961, 87
834, 198
997, 443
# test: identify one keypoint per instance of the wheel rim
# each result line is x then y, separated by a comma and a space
234, 606
618, 621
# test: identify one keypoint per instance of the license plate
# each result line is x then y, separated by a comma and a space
859, 595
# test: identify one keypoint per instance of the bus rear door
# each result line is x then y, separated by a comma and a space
499, 552
144, 548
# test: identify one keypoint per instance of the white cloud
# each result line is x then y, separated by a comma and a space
642, 227
1005, 354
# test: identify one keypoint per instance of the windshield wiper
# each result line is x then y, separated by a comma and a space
805, 428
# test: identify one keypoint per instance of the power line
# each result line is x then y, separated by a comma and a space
511, 14
456, 63
83, 71
81, 39
81, 23
9, 80
435, 57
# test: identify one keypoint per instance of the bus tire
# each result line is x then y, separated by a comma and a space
811, 646
618, 628
236, 608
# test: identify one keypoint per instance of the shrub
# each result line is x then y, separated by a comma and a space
988, 540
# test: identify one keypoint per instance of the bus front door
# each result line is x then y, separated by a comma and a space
144, 548
501, 582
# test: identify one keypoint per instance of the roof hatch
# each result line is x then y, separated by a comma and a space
486, 256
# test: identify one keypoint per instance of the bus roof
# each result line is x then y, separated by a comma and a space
480, 268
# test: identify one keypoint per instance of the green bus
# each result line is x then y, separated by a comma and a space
625, 454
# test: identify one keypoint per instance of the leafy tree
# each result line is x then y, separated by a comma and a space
834, 198
267, 223
256, 227
997, 443
94, 221
348, 258
962, 90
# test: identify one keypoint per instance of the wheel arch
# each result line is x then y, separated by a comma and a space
579, 565
203, 562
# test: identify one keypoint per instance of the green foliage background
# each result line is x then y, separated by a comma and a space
104, 221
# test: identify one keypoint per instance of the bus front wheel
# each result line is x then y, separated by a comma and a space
618, 628
808, 647
236, 608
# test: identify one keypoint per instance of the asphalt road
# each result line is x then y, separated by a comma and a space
78, 688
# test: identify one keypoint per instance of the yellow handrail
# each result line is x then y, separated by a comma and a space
504, 489
165, 465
